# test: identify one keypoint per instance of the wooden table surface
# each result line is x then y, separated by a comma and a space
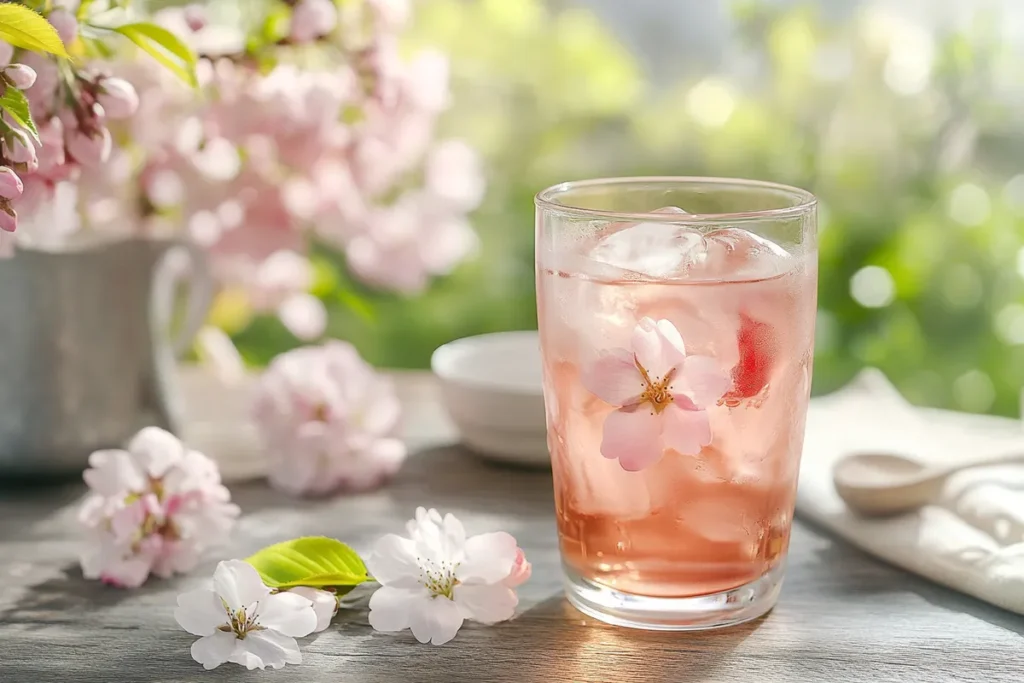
843, 616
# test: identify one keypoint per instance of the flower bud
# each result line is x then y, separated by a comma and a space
21, 77
312, 19
90, 148
8, 217
117, 97
66, 25
19, 148
11, 186
6, 53
195, 17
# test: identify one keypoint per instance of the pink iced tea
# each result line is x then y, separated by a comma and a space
688, 524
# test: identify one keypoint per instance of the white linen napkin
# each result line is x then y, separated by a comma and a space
972, 539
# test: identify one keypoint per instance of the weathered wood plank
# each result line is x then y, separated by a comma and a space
842, 616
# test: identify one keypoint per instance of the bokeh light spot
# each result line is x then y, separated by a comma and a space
872, 287
973, 391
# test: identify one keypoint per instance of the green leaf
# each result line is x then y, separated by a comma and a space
314, 561
13, 102
164, 47
21, 27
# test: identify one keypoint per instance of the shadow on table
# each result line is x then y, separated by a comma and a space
855, 572
66, 597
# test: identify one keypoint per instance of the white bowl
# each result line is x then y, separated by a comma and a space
491, 387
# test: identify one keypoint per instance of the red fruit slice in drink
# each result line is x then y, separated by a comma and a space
758, 345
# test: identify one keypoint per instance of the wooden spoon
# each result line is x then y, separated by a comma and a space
878, 484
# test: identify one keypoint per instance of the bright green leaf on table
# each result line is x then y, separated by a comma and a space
14, 103
164, 47
24, 28
314, 561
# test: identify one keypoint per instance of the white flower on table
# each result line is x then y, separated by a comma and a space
325, 604
242, 621
437, 578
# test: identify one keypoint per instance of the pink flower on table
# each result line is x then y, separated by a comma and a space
328, 421
153, 508
661, 394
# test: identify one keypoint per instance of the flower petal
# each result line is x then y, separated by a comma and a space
200, 612
325, 604
658, 347
434, 619
703, 380
288, 613
267, 648
238, 584
442, 542
112, 473
685, 431
489, 558
614, 378
521, 571
214, 650
390, 608
486, 604
156, 450
633, 437
393, 561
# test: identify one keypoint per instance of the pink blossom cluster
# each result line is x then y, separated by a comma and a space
71, 107
152, 509
328, 421
267, 162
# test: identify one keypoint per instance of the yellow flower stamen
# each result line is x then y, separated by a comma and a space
656, 391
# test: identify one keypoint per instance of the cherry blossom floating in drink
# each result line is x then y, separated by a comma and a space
676, 319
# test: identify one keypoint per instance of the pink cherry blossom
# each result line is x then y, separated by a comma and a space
41, 96
88, 147
51, 152
312, 19
328, 421
152, 509
6, 53
19, 148
21, 76
11, 186
195, 17
8, 222
660, 393
65, 23
117, 97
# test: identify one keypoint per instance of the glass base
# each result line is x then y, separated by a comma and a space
717, 610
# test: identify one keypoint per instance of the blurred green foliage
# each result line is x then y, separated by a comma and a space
909, 139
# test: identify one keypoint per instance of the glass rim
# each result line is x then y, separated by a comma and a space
804, 201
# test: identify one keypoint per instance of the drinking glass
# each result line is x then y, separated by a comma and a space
676, 321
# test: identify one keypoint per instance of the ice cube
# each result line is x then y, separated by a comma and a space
659, 250
737, 254
667, 251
